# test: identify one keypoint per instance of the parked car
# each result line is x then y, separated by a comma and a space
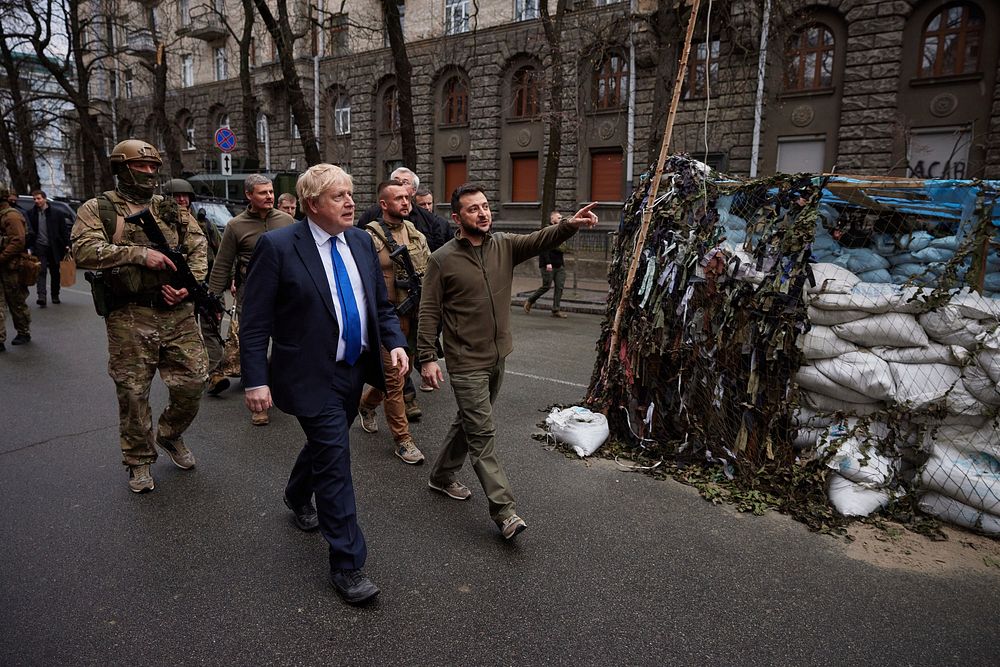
25, 203
218, 213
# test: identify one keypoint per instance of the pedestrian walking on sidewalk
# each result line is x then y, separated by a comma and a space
467, 287
553, 269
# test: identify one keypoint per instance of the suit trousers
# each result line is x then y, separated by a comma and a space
473, 434
323, 468
50, 267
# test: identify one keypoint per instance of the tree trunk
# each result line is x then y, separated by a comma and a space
250, 108
281, 32
72, 75
553, 89
169, 129
667, 26
404, 76
25, 178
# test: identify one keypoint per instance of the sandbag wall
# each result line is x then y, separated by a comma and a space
899, 395
738, 348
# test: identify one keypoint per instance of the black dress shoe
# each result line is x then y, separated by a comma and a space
304, 516
21, 339
353, 586
55, 299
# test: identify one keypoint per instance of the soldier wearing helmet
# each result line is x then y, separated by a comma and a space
12, 293
151, 325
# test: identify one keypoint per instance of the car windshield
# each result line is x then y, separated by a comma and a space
217, 214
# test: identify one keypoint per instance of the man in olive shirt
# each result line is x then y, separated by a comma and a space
238, 243
467, 286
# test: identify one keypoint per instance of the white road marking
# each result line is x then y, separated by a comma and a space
545, 379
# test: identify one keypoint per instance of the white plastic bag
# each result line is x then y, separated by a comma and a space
579, 428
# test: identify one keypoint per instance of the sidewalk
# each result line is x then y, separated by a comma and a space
589, 296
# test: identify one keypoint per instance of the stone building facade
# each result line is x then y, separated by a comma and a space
889, 87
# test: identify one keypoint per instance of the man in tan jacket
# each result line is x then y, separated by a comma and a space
231, 262
467, 288
390, 232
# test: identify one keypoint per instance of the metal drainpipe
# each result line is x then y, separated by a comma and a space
320, 47
630, 136
759, 105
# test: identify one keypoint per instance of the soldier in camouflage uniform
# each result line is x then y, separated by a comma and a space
12, 292
152, 324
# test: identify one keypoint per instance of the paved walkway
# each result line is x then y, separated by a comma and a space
589, 296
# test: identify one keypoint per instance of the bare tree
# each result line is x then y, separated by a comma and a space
72, 72
19, 154
404, 77
281, 32
248, 100
553, 26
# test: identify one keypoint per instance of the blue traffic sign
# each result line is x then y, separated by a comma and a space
225, 139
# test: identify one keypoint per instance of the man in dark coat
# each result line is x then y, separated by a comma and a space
48, 240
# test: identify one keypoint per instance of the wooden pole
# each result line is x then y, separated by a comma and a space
647, 214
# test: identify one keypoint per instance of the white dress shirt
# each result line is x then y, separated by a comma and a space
323, 241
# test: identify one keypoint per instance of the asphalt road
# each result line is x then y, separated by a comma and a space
614, 569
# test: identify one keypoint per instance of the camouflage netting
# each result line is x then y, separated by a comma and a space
807, 336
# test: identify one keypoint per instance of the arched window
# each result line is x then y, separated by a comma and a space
342, 115
524, 93
809, 59
264, 137
222, 120
390, 110
951, 42
609, 80
455, 102
188, 126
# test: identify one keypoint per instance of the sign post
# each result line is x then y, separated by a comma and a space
225, 139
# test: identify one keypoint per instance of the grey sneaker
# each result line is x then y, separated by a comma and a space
139, 478
455, 490
511, 526
178, 453
407, 452
368, 423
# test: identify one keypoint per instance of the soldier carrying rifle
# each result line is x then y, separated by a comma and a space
147, 304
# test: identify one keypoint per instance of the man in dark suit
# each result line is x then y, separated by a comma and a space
48, 239
315, 289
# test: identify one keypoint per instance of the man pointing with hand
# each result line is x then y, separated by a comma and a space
467, 287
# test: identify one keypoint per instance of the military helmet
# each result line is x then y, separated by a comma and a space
176, 186
134, 150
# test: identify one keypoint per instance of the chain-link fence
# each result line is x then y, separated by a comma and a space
847, 327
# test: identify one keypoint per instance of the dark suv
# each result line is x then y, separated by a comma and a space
26, 203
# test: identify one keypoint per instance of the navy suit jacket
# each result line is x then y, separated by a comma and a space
287, 299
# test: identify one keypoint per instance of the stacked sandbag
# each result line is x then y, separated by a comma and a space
875, 349
960, 482
914, 258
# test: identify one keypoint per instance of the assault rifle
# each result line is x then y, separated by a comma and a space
401, 255
208, 305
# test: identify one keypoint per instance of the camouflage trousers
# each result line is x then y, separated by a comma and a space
15, 297
141, 341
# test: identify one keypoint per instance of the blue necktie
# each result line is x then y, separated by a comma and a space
351, 326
